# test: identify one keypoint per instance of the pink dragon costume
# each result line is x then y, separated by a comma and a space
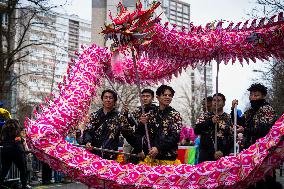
160, 53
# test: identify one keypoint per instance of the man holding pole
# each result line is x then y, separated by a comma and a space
164, 127
255, 123
104, 127
205, 127
132, 122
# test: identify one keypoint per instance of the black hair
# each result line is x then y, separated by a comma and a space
221, 95
258, 87
163, 88
148, 91
114, 95
10, 130
78, 133
209, 98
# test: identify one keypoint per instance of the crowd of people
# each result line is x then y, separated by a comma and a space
154, 132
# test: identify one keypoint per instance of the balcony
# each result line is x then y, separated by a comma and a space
3, 2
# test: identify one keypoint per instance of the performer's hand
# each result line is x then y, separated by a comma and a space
240, 129
143, 119
234, 103
141, 155
218, 155
215, 119
183, 142
153, 152
125, 109
88, 145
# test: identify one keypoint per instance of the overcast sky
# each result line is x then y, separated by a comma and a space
233, 80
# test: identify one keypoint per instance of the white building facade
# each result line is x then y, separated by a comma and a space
45, 66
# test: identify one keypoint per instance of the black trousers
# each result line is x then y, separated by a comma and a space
46, 173
14, 153
205, 155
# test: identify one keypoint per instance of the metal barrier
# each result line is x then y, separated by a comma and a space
281, 170
14, 173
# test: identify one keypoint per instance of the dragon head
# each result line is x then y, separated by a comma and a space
131, 28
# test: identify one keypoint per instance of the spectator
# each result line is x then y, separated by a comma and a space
196, 145
71, 137
4, 115
187, 136
46, 173
13, 151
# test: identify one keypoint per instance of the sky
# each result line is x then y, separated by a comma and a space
233, 79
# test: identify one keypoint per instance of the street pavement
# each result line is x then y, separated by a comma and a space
77, 185
73, 185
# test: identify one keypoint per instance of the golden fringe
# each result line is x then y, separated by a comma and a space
155, 162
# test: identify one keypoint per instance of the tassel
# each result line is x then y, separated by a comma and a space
116, 64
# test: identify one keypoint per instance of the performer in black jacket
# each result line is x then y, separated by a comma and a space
130, 123
104, 127
255, 123
259, 118
164, 127
205, 127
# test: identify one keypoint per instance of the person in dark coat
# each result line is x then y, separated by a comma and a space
255, 123
205, 127
164, 127
13, 151
104, 128
131, 124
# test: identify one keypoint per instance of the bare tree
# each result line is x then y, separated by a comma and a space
127, 92
277, 87
16, 19
189, 94
268, 7
24, 109
273, 77
273, 74
190, 102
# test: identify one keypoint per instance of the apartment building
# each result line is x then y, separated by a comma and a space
45, 66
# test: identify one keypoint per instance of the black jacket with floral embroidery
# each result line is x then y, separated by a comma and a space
131, 122
164, 131
103, 131
130, 125
256, 122
206, 129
